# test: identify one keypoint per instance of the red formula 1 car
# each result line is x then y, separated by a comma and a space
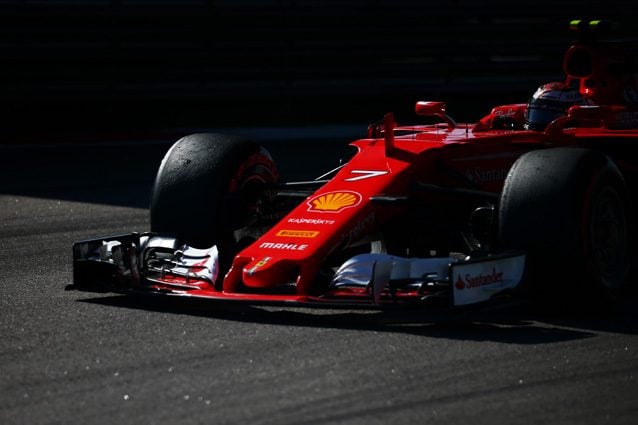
537, 195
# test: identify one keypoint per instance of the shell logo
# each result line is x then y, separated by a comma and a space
333, 202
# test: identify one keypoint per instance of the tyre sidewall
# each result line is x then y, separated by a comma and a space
192, 195
546, 210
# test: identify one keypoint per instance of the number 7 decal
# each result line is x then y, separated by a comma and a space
365, 174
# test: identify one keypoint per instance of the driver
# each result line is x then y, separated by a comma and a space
550, 101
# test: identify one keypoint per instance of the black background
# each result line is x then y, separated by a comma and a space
112, 65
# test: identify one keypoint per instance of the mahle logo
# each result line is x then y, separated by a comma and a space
333, 202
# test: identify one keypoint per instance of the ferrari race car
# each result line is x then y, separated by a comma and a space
533, 198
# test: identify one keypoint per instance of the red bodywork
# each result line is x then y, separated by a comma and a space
296, 246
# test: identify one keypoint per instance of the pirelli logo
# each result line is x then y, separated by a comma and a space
297, 233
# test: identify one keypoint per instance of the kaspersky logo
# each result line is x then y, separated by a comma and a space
333, 202
475, 281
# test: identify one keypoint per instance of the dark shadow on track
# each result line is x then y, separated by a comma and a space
123, 173
512, 325
94, 174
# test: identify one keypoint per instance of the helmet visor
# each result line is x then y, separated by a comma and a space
537, 119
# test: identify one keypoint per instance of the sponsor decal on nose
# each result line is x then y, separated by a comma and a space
333, 202
297, 233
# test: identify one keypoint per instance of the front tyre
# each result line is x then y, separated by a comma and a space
568, 208
208, 186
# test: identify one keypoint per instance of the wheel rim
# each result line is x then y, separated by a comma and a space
248, 188
608, 230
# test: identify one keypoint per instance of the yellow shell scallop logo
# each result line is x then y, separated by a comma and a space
334, 201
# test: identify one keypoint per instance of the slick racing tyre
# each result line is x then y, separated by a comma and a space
568, 208
208, 186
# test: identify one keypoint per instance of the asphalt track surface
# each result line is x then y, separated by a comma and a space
71, 357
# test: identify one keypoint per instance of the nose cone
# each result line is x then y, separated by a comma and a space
268, 272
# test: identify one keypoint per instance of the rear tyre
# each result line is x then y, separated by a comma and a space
568, 208
208, 186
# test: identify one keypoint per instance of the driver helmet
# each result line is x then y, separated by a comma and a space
550, 101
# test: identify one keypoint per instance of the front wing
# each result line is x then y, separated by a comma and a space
157, 265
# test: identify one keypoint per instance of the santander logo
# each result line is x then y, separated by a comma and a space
478, 280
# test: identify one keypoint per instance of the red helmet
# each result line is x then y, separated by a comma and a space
550, 101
